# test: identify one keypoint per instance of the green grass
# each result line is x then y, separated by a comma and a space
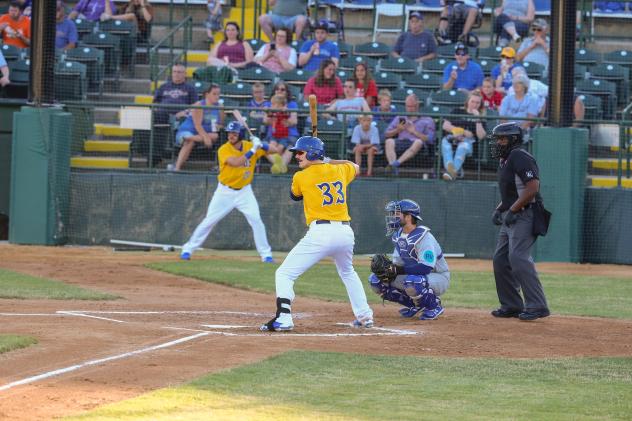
11, 342
314, 385
18, 285
567, 294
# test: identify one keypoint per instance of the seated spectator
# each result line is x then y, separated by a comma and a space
491, 97
232, 51
501, 73
365, 140
520, 103
279, 161
93, 10
213, 21
279, 132
278, 56
416, 44
66, 35
288, 14
536, 48
201, 125
465, 10
4, 69
318, 49
462, 134
384, 99
405, 136
15, 28
175, 92
138, 11
537, 89
257, 101
325, 84
350, 102
365, 84
513, 18
462, 73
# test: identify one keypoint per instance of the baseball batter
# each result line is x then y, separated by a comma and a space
419, 273
237, 159
323, 189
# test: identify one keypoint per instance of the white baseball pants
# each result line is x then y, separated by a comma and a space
334, 240
223, 201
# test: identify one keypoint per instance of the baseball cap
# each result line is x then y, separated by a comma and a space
417, 15
460, 48
540, 23
322, 24
508, 52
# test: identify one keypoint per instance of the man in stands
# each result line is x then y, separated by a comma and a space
66, 32
466, 10
316, 50
416, 44
175, 92
462, 73
15, 28
289, 14
93, 10
535, 49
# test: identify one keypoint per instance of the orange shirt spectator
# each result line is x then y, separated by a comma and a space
15, 28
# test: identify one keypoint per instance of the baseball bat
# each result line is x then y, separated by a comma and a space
313, 104
240, 118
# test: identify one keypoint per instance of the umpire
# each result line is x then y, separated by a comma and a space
514, 270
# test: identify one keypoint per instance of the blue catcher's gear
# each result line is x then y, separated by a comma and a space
395, 209
234, 127
313, 147
422, 295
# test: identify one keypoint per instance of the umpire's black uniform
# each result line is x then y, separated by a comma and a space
514, 270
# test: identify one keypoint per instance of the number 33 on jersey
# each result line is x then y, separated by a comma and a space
324, 191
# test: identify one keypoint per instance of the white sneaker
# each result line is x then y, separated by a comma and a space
171, 167
365, 322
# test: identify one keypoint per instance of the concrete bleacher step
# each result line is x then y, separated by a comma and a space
106, 115
607, 163
137, 85
113, 97
98, 162
110, 131
609, 181
107, 146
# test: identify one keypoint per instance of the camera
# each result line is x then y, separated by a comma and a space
402, 120
273, 46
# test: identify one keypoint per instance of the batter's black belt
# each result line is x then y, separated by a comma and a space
232, 188
326, 221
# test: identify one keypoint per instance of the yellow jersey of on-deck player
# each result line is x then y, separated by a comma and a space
324, 191
237, 177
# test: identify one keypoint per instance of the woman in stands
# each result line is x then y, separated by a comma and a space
233, 51
365, 85
513, 19
325, 84
278, 56
139, 11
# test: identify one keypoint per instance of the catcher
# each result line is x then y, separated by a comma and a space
419, 273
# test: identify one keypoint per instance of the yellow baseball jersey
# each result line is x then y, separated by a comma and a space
237, 177
324, 191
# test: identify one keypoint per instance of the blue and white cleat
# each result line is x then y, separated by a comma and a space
268, 259
276, 326
363, 322
432, 314
409, 312
185, 255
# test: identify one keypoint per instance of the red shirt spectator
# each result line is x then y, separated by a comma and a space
365, 84
280, 130
325, 85
15, 28
491, 97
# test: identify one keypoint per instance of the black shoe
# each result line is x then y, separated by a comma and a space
506, 314
532, 315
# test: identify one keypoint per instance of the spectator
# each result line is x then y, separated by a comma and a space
365, 85
257, 101
201, 125
139, 11
491, 97
350, 102
520, 103
537, 89
66, 35
93, 10
463, 133
405, 136
4, 69
465, 10
233, 51
213, 21
501, 73
288, 14
579, 111
325, 84
366, 141
513, 18
314, 51
416, 44
536, 48
278, 56
384, 99
279, 130
26, 6
279, 161
463, 73
15, 28
175, 92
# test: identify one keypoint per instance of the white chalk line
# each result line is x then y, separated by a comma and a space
381, 331
75, 367
78, 314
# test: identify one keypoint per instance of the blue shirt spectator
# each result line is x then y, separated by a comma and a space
501, 73
66, 36
520, 103
416, 44
462, 73
316, 50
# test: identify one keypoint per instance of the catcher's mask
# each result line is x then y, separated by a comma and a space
395, 209
512, 132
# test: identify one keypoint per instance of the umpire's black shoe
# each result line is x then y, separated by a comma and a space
506, 314
532, 315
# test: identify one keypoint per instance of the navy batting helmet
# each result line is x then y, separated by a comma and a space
511, 131
312, 146
396, 208
234, 127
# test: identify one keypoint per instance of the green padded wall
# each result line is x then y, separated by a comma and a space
7, 108
40, 175
562, 155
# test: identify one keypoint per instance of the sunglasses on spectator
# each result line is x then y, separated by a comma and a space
461, 53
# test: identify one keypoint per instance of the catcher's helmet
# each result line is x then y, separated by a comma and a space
312, 146
395, 208
234, 127
511, 131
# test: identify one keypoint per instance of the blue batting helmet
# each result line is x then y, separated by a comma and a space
234, 127
313, 147
395, 208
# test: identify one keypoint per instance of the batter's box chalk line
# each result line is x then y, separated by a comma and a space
224, 330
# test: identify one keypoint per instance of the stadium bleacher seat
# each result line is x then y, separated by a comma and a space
200, 87
238, 91
344, 48
256, 44
448, 98
435, 66
489, 53
18, 88
592, 107
534, 70
94, 60
71, 81
332, 133
111, 46
212, 74
424, 81
387, 80
126, 31
372, 49
84, 27
398, 65
399, 95
606, 91
587, 57
487, 66
297, 77
620, 57
617, 74
349, 62
256, 74
344, 74
11, 52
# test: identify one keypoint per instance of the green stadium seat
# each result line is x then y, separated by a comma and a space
212, 74
617, 74
399, 95
606, 91
435, 111
84, 27
256, 74
201, 87
448, 98
580, 71
424, 81
349, 62
344, 74
111, 46
489, 53
372, 49
71, 81
534, 70
435, 66
344, 48
126, 31
296, 44
487, 65
587, 57
620, 57
386, 80
238, 91
332, 133
255, 44
592, 107
94, 60
18, 88
298, 77
11, 52
399, 65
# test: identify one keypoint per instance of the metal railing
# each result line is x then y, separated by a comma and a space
156, 74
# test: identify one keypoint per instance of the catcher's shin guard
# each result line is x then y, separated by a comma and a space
417, 288
283, 318
388, 293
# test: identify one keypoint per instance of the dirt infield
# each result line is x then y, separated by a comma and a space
217, 329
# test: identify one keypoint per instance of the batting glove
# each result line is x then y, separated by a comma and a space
256, 142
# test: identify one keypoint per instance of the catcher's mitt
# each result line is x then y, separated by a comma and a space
383, 268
